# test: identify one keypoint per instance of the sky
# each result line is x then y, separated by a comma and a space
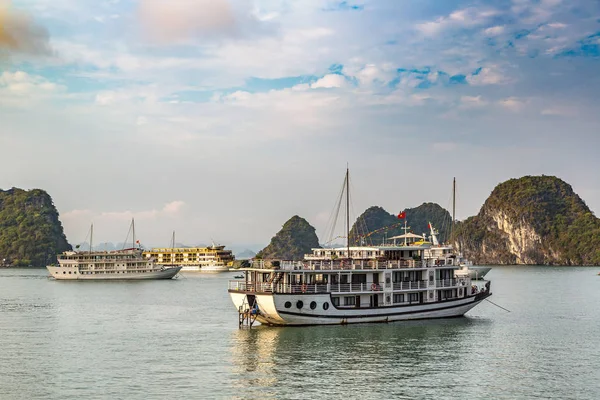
221, 119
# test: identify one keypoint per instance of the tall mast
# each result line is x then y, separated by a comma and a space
91, 236
133, 230
173, 241
453, 210
348, 211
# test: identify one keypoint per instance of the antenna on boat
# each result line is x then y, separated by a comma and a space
173, 241
91, 236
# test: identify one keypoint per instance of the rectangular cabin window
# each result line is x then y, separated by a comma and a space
359, 278
349, 300
344, 279
335, 301
399, 298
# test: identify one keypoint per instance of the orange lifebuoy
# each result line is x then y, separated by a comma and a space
373, 286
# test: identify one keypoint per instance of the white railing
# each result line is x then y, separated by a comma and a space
410, 285
265, 287
447, 283
328, 265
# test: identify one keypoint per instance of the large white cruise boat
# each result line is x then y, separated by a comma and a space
356, 284
123, 264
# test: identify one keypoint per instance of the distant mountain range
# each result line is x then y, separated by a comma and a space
530, 220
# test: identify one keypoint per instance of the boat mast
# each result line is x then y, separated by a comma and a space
173, 241
133, 235
347, 212
91, 236
453, 210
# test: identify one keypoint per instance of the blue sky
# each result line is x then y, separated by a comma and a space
221, 119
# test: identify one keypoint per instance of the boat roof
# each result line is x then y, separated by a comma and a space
408, 235
183, 249
399, 246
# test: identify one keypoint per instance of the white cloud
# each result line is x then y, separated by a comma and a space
467, 17
174, 207
330, 81
86, 216
487, 76
20, 89
560, 111
494, 30
557, 25
512, 103
472, 101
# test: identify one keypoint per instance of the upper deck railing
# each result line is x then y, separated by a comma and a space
345, 264
265, 287
329, 265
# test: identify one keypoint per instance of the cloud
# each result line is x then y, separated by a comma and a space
177, 20
465, 18
494, 30
472, 101
173, 207
512, 103
560, 111
486, 76
20, 89
330, 81
20, 34
170, 209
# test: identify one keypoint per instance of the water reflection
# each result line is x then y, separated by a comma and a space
280, 362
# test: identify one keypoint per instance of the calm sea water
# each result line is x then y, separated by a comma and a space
180, 339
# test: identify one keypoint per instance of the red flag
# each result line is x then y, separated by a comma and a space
402, 215
429, 226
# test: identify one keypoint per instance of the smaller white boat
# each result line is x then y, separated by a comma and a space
126, 264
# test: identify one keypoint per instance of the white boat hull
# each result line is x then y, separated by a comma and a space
70, 274
273, 311
214, 268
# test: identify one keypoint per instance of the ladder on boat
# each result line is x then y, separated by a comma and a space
248, 312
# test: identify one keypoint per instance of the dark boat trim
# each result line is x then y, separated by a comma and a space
364, 308
476, 300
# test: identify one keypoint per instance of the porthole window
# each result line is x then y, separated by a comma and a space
313, 305
288, 304
64, 272
325, 306
299, 304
